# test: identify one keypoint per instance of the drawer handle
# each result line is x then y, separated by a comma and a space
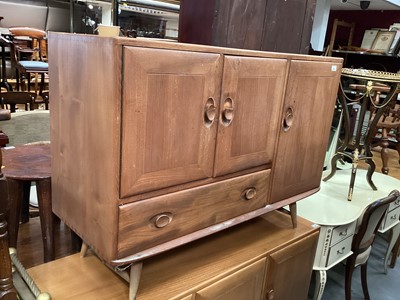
227, 112
288, 119
209, 112
270, 294
162, 220
343, 233
394, 217
249, 193
341, 251
397, 202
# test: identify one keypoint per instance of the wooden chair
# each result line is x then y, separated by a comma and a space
7, 290
389, 125
45, 100
363, 239
337, 23
13, 98
27, 54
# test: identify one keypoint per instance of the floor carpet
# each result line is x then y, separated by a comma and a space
27, 127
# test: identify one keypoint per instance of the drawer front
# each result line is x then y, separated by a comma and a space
153, 221
341, 232
394, 204
340, 250
390, 219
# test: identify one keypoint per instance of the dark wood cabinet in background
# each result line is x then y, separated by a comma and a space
272, 25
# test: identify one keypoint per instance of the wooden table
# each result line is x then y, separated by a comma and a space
22, 165
337, 217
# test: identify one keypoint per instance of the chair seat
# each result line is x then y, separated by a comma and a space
34, 65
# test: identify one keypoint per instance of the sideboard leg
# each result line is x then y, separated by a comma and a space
293, 213
134, 278
84, 249
320, 281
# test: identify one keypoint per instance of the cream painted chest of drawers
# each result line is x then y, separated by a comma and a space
156, 144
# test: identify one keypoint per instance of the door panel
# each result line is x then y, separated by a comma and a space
289, 270
250, 107
169, 100
304, 133
245, 284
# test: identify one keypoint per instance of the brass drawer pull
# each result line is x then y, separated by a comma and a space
162, 220
341, 251
249, 193
343, 233
394, 217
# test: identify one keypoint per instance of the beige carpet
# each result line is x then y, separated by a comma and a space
27, 127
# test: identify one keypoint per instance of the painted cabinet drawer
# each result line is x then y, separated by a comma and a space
394, 204
340, 251
153, 221
341, 232
390, 219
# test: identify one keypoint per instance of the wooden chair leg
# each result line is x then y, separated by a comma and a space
395, 253
364, 282
350, 263
384, 152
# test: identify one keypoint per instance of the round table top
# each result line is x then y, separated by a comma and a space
27, 162
371, 75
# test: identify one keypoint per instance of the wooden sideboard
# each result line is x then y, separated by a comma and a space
263, 258
155, 144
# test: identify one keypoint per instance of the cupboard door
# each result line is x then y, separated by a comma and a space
306, 120
289, 270
251, 100
169, 103
245, 284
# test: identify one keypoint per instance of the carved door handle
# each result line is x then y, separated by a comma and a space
288, 119
227, 113
209, 112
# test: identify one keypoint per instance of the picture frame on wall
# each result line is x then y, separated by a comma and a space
383, 41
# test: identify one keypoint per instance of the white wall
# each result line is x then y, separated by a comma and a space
16, 14
320, 24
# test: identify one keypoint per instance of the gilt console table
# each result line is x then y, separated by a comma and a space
357, 142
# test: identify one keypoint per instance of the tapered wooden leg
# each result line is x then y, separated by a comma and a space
84, 249
350, 263
43, 187
134, 279
15, 191
293, 214
394, 236
364, 282
396, 253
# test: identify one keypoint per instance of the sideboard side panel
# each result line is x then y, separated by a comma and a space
84, 72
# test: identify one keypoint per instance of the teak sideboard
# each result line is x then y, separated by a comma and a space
156, 144
264, 258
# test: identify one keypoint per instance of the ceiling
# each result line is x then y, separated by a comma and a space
374, 5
